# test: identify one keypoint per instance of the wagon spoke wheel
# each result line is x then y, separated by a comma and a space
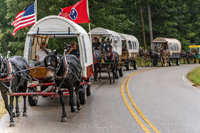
33, 100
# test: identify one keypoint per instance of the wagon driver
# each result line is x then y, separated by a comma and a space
96, 44
40, 55
74, 50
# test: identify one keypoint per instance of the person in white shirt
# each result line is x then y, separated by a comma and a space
40, 55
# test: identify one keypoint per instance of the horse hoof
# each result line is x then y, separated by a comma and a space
73, 109
64, 119
25, 114
79, 108
12, 124
14, 114
17, 114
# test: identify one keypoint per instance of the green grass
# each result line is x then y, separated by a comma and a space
2, 108
194, 76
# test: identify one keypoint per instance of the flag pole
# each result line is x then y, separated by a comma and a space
88, 14
89, 19
35, 10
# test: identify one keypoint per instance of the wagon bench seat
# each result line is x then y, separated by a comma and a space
38, 72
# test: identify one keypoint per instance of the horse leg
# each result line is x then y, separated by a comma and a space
78, 104
5, 99
167, 60
11, 111
161, 60
148, 61
109, 75
95, 72
142, 61
100, 72
72, 102
113, 71
17, 107
63, 117
116, 72
24, 87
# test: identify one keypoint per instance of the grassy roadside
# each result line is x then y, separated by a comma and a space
2, 108
194, 76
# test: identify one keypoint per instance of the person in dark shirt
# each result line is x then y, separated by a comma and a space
96, 44
74, 50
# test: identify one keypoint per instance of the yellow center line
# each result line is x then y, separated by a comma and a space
130, 109
134, 104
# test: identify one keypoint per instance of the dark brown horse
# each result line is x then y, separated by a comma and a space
65, 72
153, 56
144, 54
13, 79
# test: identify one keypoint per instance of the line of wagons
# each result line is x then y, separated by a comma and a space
112, 60
121, 51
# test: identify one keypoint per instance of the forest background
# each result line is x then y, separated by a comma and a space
178, 19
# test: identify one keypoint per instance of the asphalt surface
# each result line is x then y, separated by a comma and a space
162, 95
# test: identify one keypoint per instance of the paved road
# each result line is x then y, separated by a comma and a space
161, 94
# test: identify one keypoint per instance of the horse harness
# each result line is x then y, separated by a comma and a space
65, 72
9, 75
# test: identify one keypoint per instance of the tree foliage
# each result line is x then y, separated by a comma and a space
178, 19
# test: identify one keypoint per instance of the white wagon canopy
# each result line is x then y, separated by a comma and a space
116, 40
131, 42
58, 27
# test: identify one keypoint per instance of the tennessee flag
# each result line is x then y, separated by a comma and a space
77, 13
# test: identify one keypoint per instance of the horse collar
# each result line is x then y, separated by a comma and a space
66, 69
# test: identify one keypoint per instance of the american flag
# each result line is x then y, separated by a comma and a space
24, 18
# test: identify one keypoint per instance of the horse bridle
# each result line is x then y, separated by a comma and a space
58, 65
3, 66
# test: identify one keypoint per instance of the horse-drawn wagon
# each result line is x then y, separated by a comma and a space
59, 27
130, 50
111, 50
193, 54
171, 46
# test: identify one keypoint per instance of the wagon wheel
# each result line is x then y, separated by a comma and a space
121, 71
88, 90
82, 95
127, 65
170, 62
33, 100
135, 65
177, 62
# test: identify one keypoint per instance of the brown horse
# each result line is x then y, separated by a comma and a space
144, 54
164, 56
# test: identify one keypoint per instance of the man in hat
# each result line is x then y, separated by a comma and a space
96, 44
74, 50
40, 55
